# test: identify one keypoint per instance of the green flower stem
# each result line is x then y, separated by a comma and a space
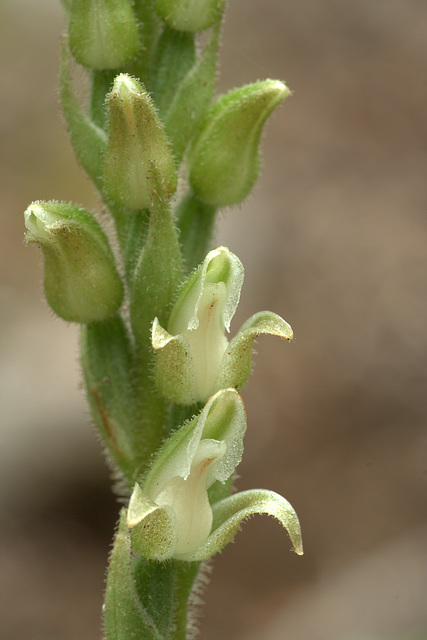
107, 364
186, 573
145, 64
164, 590
195, 220
193, 97
157, 277
102, 82
172, 68
153, 413
146, 600
129, 413
131, 228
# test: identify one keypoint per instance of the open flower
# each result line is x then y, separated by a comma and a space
194, 357
170, 514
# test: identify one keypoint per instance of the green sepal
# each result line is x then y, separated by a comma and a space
175, 373
237, 361
175, 379
89, 141
193, 96
187, 15
103, 33
224, 159
81, 281
229, 513
152, 528
175, 55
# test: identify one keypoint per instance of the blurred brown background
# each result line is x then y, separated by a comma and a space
334, 240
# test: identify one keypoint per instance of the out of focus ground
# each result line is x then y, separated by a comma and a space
334, 239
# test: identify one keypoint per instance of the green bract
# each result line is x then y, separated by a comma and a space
80, 278
139, 168
224, 159
170, 515
89, 141
190, 15
103, 33
194, 358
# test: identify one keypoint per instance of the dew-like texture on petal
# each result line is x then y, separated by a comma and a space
170, 514
190, 352
230, 512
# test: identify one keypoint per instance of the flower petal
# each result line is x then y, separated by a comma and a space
237, 361
174, 368
220, 265
153, 529
229, 513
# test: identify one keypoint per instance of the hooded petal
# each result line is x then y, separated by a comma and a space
187, 368
220, 265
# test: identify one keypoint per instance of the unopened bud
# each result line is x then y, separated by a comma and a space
103, 33
224, 159
139, 168
80, 279
187, 15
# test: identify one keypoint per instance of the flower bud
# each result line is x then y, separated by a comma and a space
81, 281
139, 168
103, 34
224, 159
187, 15
194, 359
